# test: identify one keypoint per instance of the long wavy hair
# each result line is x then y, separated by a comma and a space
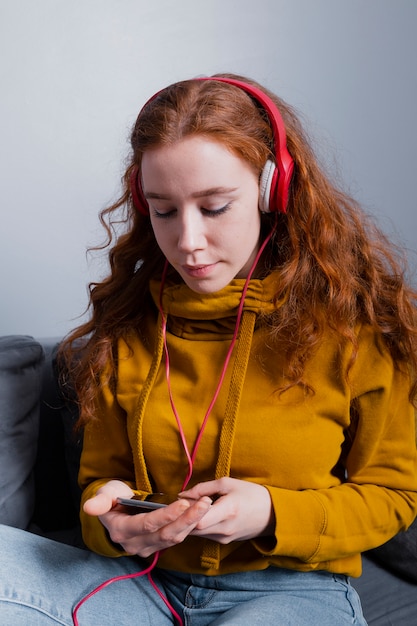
336, 268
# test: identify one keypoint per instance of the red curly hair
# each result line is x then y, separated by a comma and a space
337, 269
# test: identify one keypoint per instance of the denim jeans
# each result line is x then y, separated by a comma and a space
42, 580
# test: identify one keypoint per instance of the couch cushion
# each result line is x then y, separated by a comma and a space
59, 449
400, 554
386, 598
21, 359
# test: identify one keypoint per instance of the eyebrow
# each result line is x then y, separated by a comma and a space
197, 194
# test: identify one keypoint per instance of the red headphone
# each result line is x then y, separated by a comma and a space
275, 179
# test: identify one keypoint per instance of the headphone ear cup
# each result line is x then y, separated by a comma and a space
138, 199
267, 183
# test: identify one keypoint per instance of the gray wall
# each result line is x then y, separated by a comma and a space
74, 74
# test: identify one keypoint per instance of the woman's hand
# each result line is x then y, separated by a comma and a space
242, 510
145, 533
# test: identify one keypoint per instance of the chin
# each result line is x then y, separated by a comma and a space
205, 287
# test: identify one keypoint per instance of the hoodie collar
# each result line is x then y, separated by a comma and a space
180, 301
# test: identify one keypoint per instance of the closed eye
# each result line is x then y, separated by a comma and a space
208, 212
216, 212
164, 215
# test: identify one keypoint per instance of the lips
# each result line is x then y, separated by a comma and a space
198, 271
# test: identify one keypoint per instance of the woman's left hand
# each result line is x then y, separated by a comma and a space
241, 510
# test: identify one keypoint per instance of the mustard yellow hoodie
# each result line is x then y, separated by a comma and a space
340, 465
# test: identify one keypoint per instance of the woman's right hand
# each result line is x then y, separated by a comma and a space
145, 533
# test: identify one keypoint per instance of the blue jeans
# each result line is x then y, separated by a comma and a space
41, 581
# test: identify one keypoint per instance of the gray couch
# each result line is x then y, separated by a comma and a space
39, 457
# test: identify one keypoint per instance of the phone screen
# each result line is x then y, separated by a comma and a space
153, 501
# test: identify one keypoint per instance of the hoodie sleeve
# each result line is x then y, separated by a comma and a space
379, 496
106, 455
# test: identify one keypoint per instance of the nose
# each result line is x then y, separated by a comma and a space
191, 235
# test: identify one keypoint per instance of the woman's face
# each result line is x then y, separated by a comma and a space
203, 203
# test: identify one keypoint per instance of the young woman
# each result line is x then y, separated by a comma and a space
252, 354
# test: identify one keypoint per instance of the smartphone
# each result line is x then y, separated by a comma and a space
140, 504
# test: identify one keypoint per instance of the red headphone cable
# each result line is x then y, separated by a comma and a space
190, 457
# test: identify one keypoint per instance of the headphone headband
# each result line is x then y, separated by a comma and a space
275, 178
